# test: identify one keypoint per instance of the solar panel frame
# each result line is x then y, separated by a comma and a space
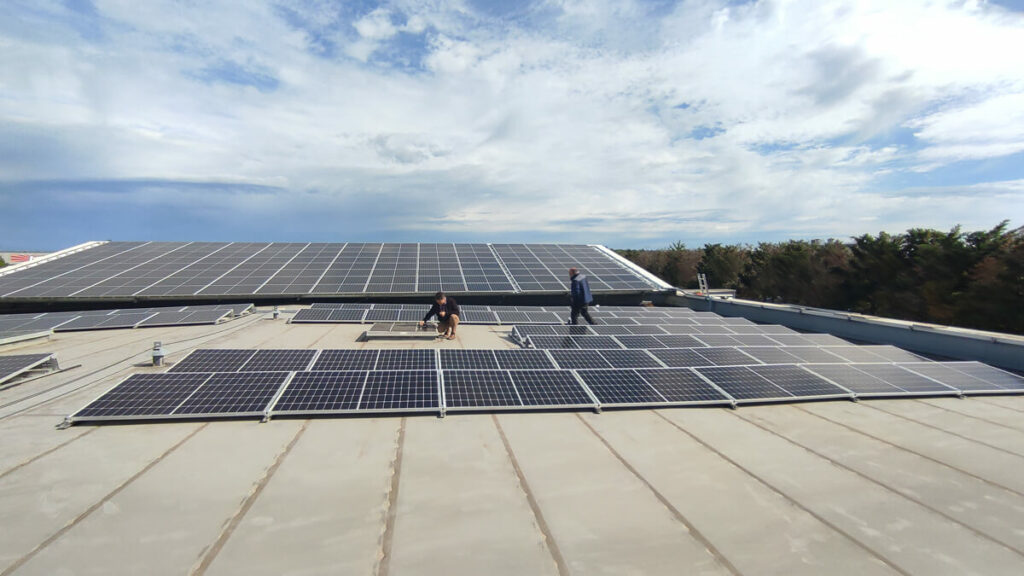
578, 359
1001, 378
345, 360
551, 390
630, 359
213, 360
470, 390
321, 392
524, 359
621, 388
684, 387
468, 360
800, 382
912, 383
744, 385
680, 357
14, 365
860, 383
233, 394
279, 360
395, 391
947, 374
389, 359
142, 397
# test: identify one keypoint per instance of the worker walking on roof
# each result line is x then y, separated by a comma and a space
579, 295
447, 311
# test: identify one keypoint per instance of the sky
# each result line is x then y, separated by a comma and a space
622, 122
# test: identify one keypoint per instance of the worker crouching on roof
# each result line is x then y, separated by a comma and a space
579, 295
447, 312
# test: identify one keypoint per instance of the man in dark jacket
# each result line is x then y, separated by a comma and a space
579, 295
447, 311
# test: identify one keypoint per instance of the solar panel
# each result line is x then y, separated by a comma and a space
791, 340
400, 390
550, 388
753, 340
345, 360
475, 389
640, 342
534, 330
477, 316
646, 329
611, 321
905, 379
860, 383
322, 392
743, 384
680, 357
680, 329
682, 385
578, 359
951, 377
826, 340
606, 330
595, 342
678, 341
14, 365
995, 376
554, 342
798, 381
718, 340
567, 329
620, 387
313, 315
213, 360
629, 359
512, 317
468, 360
383, 315
347, 315
893, 354
855, 354
813, 355
523, 360
278, 360
233, 394
726, 356
142, 395
770, 354
406, 360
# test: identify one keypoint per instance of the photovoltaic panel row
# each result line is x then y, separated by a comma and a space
191, 395
155, 269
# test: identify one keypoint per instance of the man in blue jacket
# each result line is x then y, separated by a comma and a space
579, 295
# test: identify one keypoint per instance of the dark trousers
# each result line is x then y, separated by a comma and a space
581, 309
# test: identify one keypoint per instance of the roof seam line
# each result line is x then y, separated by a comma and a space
391, 515
549, 539
882, 485
236, 519
785, 496
99, 504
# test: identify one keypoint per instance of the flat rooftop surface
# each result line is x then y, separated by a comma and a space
908, 486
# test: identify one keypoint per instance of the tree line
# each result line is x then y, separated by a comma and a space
970, 279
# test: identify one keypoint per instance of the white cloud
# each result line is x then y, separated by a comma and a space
605, 119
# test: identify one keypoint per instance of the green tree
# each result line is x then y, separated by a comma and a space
723, 264
796, 272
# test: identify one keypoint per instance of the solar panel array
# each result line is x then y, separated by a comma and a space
15, 324
610, 319
265, 383
197, 269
